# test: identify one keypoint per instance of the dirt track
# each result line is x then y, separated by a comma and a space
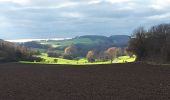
99, 82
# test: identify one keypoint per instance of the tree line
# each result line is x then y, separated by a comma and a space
13, 52
151, 45
72, 52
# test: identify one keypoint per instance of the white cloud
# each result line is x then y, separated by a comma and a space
71, 14
67, 4
158, 17
21, 2
94, 2
117, 1
160, 4
79, 17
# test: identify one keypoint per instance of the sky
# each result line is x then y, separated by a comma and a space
21, 19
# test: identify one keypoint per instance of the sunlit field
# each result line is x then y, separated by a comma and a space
83, 61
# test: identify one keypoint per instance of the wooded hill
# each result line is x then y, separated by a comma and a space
82, 43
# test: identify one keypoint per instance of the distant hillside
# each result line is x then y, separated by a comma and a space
115, 40
120, 40
95, 40
83, 43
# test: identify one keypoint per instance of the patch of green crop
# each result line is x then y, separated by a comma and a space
125, 59
83, 61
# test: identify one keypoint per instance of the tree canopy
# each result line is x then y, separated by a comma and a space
151, 44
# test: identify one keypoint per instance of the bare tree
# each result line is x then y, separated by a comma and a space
91, 56
70, 52
137, 44
112, 53
152, 44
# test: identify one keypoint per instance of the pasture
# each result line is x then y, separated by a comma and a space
83, 61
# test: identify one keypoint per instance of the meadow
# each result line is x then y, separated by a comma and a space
83, 61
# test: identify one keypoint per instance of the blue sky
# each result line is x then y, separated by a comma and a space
68, 18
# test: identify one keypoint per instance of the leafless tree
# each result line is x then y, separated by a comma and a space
152, 44
91, 56
112, 53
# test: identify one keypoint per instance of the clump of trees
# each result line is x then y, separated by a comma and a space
70, 52
73, 52
13, 52
151, 44
106, 55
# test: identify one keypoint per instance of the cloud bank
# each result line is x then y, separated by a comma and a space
69, 18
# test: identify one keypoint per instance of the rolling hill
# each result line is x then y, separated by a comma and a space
87, 42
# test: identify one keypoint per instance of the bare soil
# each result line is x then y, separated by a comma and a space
95, 82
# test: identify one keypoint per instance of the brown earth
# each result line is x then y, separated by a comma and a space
97, 82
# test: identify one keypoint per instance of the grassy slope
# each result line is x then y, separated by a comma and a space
90, 40
86, 43
70, 41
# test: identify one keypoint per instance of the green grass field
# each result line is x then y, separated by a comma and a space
52, 60
125, 59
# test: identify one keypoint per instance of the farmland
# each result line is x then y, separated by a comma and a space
133, 81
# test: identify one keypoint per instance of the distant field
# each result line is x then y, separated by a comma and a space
52, 60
